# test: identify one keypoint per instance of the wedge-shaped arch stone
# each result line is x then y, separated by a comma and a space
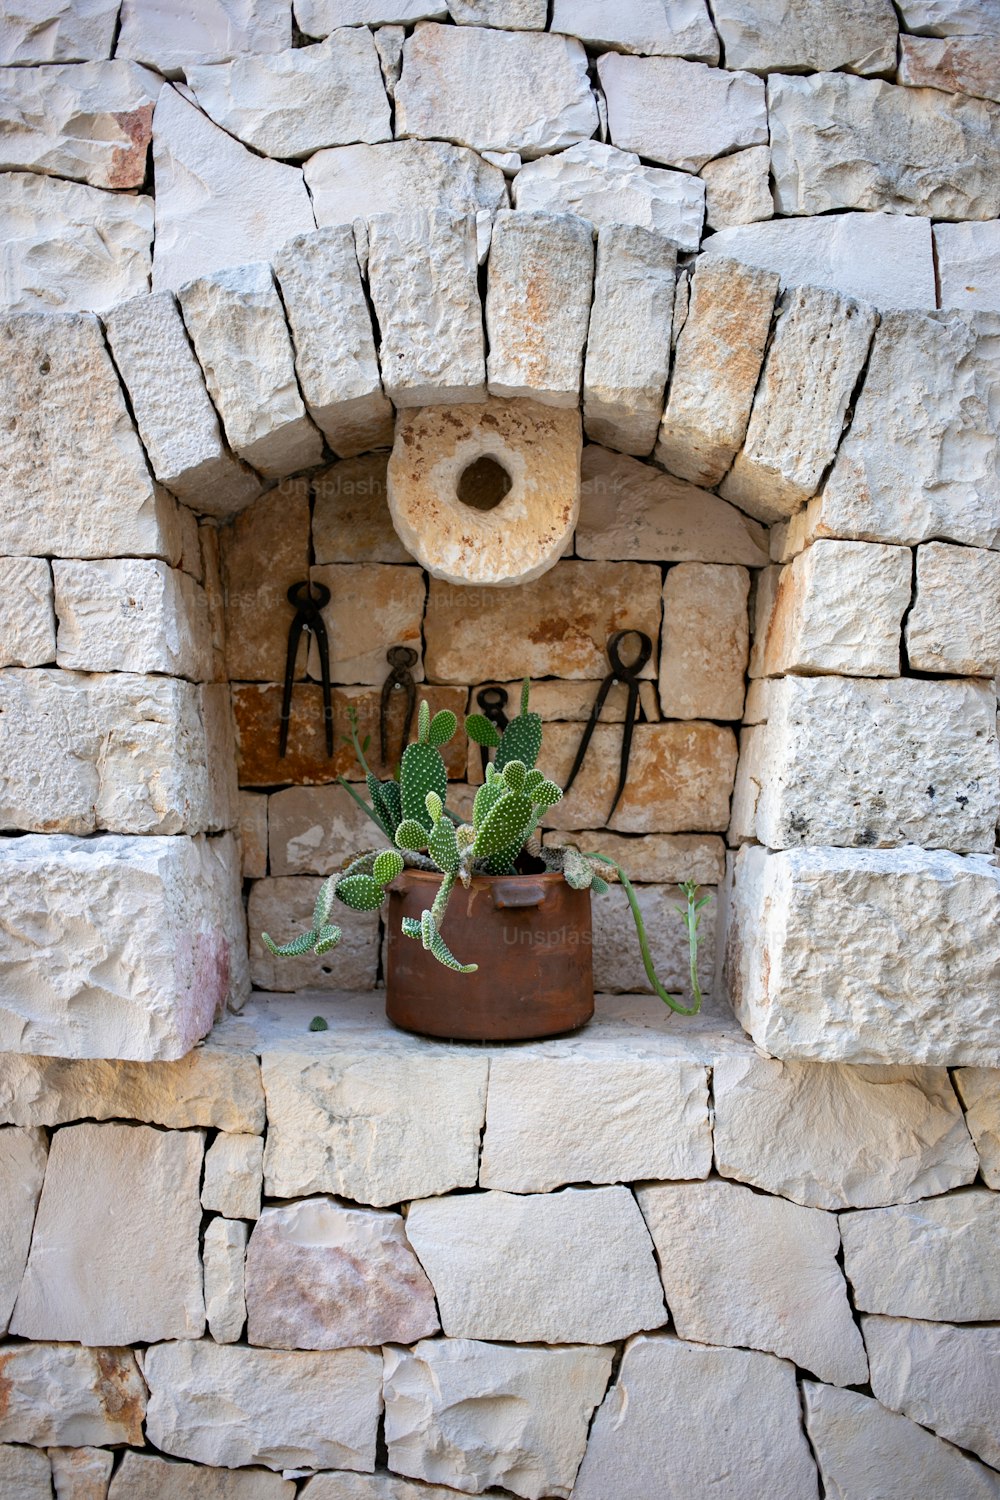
23, 1154
60, 1394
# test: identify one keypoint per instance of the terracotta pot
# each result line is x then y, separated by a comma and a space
530, 936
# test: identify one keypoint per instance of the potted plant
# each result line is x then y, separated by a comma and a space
517, 913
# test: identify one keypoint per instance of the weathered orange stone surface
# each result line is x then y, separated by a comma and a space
264, 551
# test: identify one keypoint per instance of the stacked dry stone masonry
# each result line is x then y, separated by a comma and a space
655, 1258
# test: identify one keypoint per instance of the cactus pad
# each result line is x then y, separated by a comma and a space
421, 771
387, 866
360, 892
442, 727
443, 847
411, 835
482, 731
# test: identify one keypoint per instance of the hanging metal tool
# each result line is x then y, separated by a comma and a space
630, 676
492, 701
399, 680
309, 600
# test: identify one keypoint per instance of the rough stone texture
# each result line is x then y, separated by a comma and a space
511, 15
64, 1395
656, 858
423, 278
38, 31
882, 258
561, 1113
233, 1176
318, 17
833, 1137
733, 1427
22, 1167
539, 96
252, 832
232, 1406
682, 114
775, 36
954, 625
257, 610
283, 908
181, 435
628, 343
379, 1127
964, 65
932, 1259
738, 188
841, 142
497, 1264
968, 259
25, 1474
706, 641
346, 1486
979, 1091
141, 1283
668, 28
159, 1479
371, 605
944, 1378
618, 963
27, 621
538, 298
837, 607
91, 122
608, 186
217, 204
225, 1301
843, 954
950, 17
818, 351
719, 354
211, 32
922, 458
331, 326
323, 1275
118, 946
290, 104
537, 447
81, 1473
239, 332
351, 520
863, 1449
475, 1415
130, 614
312, 830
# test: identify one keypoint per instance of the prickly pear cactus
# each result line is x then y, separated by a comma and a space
522, 739
422, 769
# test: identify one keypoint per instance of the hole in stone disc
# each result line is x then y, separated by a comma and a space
483, 484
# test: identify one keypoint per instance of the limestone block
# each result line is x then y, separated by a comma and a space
882, 258
25, 1473
682, 114
554, 701
22, 1167
81, 1473
217, 204
252, 830
497, 1264
560, 1116
863, 1449
837, 607
238, 328
389, 46
371, 605
778, 37
655, 858
963, 64
677, 28
508, 15
733, 1426
351, 520
829, 1136
968, 258
628, 344
608, 186
922, 458
63, 1395
313, 830
161, 1479
949, 17
38, 31
979, 1091
931, 1259
538, 295
335, 357
257, 611
68, 247
136, 944
283, 907
223, 1257
290, 104
203, 1088
954, 625
502, 535
944, 1378
27, 620
181, 435
230, 1406
344, 1486
378, 1127
474, 1415
318, 17
539, 96
209, 32
618, 963
821, 122
130, 614
323, 1275
423, 279
843, 955
706, 641
738, 188
233, 1176
818, 351
719, 354
91, 122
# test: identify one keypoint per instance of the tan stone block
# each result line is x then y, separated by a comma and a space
283, 908
315, 830
211, 567
351, 519
264, 551
654, 857
738, 188
222, 1258
556, 701
253, 834
25, 1473
61, 1394
618, 963
23, 1156
957, 64
372, 606
233, 1175
706, 641
81, 1473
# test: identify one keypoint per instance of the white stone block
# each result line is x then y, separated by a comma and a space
979, 1091
319, 17
685, 1419
829, 1136
538, 99
40, 31
968, 259
233, 1176
136, 944
667, 28
282, 907
932, 1259
60, 1394
27, 619
507, 15
114, 1254
211, 31
682, 114
607, 186
131, 614
958, 64
23, 1155
231, 1406
475, 1415
91, 122
738, 188
225, 1299
954, 625
423, 279
706, 641
949, 17
776, 36
842, 955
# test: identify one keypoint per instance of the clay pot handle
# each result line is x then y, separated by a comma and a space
516, 892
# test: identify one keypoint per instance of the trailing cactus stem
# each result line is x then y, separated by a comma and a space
691, 919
